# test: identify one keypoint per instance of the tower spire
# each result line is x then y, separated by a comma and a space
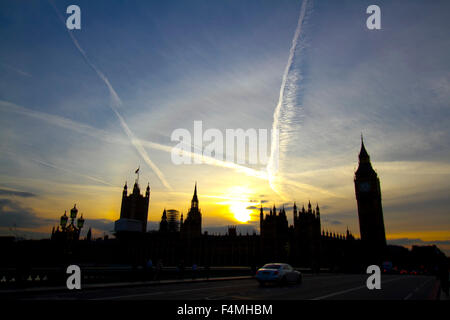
194, 202
363, 155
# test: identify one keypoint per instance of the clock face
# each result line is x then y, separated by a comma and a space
364, 187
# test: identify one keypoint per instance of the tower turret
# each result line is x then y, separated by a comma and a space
295, 212
164, 225
261, 218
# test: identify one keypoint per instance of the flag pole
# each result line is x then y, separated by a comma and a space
137, 172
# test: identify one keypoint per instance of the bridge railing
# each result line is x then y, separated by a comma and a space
57, 276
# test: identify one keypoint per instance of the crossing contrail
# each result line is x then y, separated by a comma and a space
284, 110
113, 139
116, 102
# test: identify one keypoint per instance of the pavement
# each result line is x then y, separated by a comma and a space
313, 287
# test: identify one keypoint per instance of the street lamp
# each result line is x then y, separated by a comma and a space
73, 212
64, 219
80, 222
70, 230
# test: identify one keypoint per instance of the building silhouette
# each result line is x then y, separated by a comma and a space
274, 232
303, 243
164, 224
169, 221
134, 210
307, 229
173, 220
180, 242
192, 226
370, 211
300, 244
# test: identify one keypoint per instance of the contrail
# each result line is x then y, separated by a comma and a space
21, 72
50, 165
282, 106
110, 138
64, 123
117, 102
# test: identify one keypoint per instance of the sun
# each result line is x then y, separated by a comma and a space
239, 199
240, 211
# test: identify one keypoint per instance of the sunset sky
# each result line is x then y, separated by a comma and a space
80, 111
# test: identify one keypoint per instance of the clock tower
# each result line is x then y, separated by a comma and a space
368, 197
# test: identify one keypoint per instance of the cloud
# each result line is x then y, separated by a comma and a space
443, 245
287, 209
15, 193
105, 225
334, 222
333, 219
417, 241
13, 214
24, 233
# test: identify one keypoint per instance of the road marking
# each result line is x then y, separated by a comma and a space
416, 289
352, 289
160, 292
408, 296
197, 289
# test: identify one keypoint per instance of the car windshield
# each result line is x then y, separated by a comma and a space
272, 266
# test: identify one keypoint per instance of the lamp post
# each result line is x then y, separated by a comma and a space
80, 222
73, 213
63, 220
71, 230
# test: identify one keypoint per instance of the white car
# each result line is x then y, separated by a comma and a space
278, 272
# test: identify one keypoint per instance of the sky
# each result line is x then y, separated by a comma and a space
81, 110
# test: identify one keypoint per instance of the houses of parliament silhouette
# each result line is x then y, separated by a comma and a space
303, 243
180, 241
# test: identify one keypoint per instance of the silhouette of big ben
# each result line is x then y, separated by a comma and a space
370, 211
192, 226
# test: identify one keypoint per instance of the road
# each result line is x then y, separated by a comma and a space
319, 287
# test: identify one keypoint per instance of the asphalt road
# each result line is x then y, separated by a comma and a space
332, 286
